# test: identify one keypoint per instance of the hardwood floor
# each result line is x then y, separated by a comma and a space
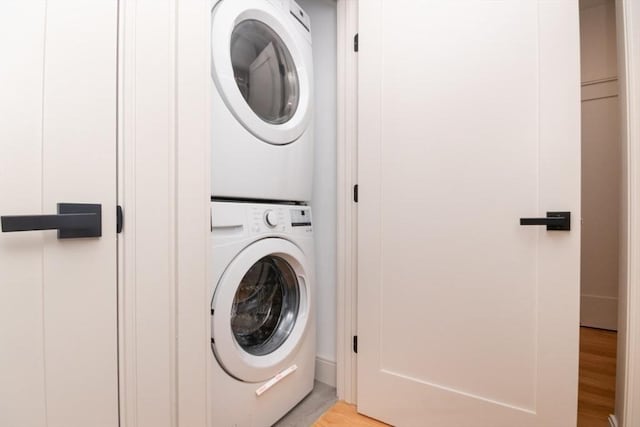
344, 415
596, 391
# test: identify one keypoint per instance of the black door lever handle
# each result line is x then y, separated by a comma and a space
73, 220
553, 221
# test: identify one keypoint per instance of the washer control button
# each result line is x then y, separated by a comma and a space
271, 218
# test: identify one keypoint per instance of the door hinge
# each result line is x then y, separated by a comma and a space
355, 43
119, 219
355, 344
355, 193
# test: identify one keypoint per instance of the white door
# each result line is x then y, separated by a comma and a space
58, 307
469, 119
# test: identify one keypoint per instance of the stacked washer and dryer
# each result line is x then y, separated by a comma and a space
262, 296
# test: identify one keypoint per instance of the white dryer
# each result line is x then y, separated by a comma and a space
262, 312
262, 102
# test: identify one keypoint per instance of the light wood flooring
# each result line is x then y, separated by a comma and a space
342, 414
595, 394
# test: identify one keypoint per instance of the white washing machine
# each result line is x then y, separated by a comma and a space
262, 312
262, 103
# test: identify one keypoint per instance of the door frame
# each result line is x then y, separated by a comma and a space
163, 187
346, 216
628, 29
628, 379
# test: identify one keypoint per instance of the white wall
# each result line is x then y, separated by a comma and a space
324, 29
601, 162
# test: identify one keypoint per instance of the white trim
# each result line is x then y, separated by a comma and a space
325, 371
628, 409
599, 81
192, 207
346, 209
147, 245
613, 421
127, 338
633, 314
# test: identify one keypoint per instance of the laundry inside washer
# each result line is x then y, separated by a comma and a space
265, 306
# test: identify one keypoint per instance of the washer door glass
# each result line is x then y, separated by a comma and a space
265, 306
264, 71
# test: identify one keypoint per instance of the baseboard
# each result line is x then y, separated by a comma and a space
326, 371
599, 312
613, 421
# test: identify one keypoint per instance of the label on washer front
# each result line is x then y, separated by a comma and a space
275, 380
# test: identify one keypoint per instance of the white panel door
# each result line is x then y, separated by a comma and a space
469, 119
58, 307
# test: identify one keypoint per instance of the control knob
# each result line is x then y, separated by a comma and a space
271, 218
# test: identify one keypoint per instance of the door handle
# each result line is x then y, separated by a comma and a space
73, 220
553, 221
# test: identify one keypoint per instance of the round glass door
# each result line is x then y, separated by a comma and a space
264, 71
265, 306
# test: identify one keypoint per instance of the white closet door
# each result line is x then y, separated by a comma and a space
58, 307
469, 119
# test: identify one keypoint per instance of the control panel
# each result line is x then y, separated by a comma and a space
279, 219
301, 217
264, 220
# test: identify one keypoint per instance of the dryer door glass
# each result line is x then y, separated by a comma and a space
265, 306
264, 71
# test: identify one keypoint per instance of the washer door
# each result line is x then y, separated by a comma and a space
260, 310
260, 70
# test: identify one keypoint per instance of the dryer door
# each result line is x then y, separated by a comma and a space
260, 310
262, 67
